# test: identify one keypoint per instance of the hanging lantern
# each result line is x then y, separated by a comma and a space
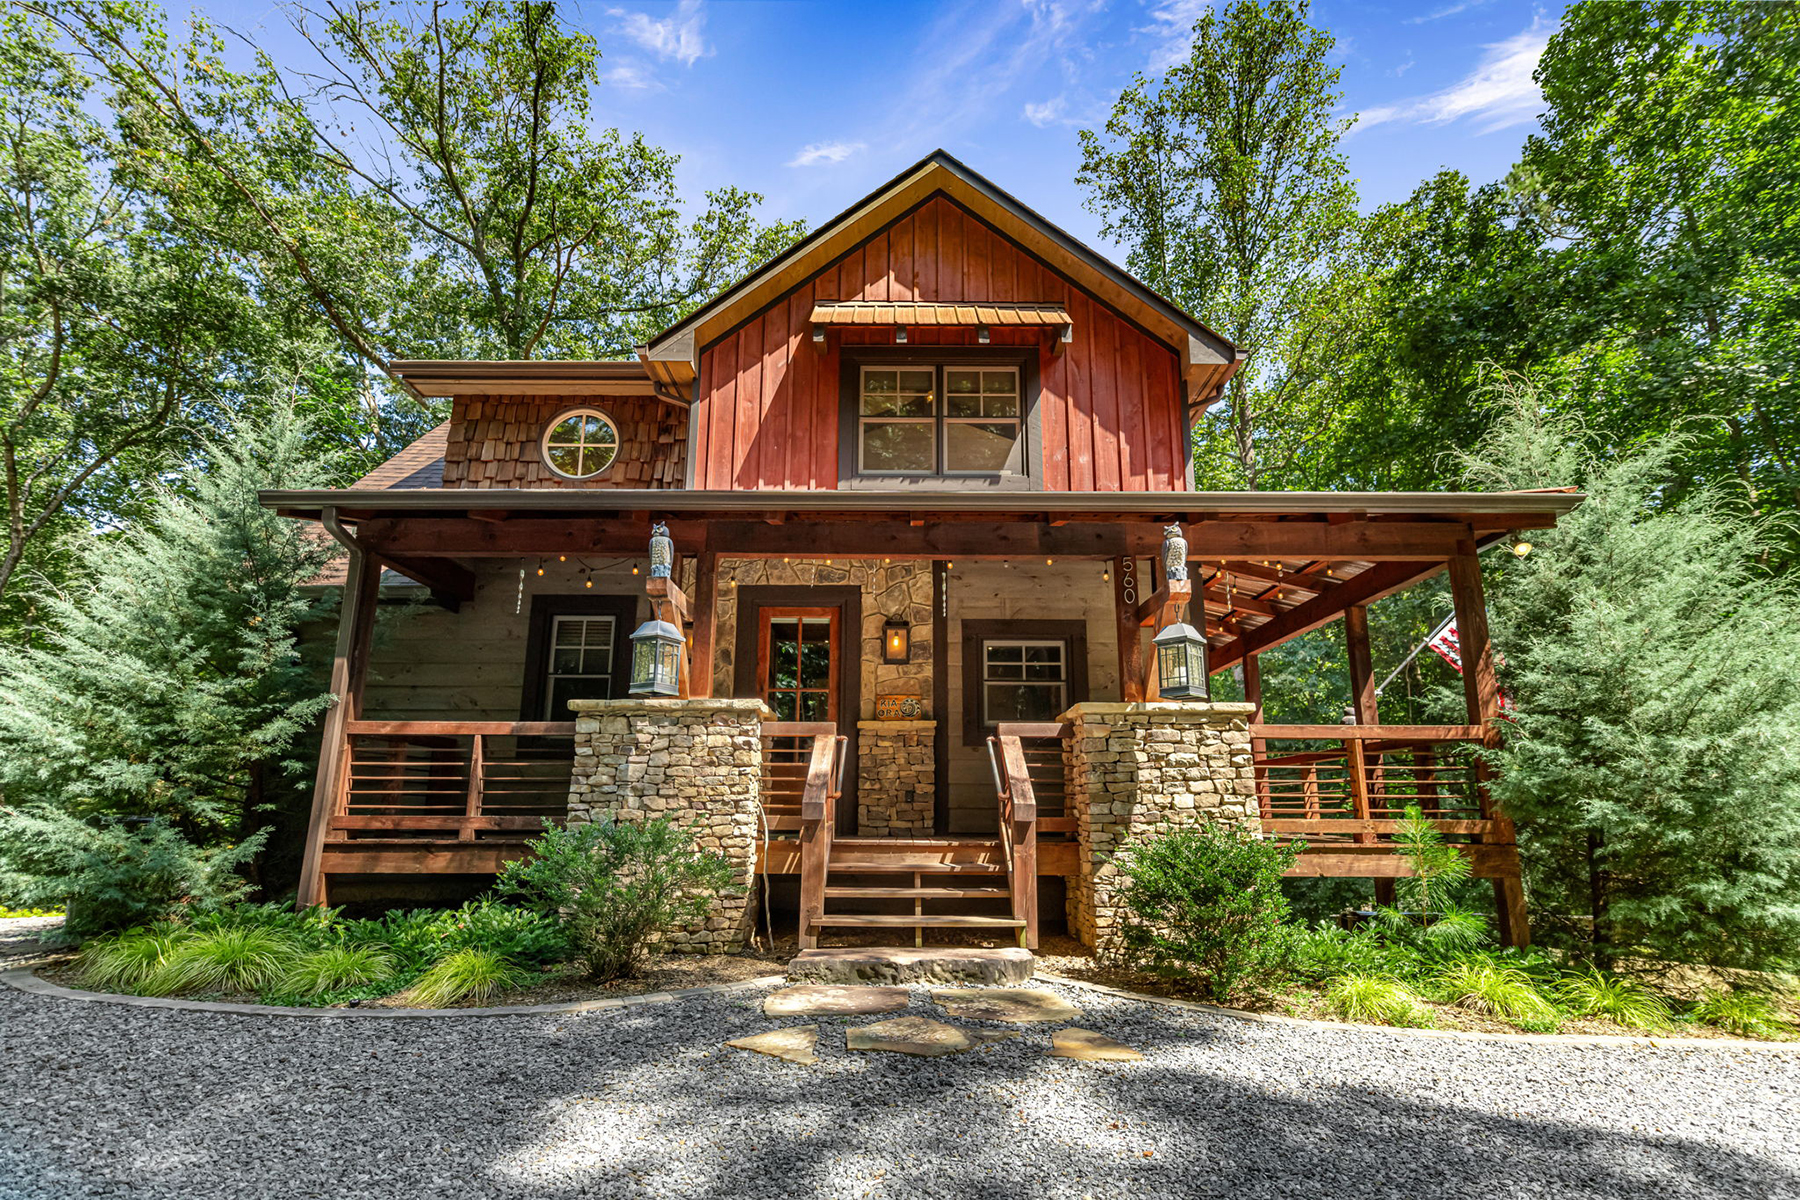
1174, 553
1181, 662
656, 659
896, 641
662, 552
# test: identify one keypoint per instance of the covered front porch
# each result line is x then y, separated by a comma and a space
923, 662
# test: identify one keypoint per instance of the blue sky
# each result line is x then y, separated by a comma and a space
814, 103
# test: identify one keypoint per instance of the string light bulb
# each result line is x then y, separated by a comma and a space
1521, 549
1049, 562
562, 558
634, 568
540, 566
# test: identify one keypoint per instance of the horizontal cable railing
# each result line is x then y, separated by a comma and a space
1352, 784
453, 780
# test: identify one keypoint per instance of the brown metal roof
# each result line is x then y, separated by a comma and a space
874, 312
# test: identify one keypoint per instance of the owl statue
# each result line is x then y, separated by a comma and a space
662, 552
1174, 553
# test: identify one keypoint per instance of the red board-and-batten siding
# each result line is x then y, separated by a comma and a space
1110, 410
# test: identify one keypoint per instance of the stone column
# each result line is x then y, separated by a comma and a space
695, 762
896, 778
1137, 770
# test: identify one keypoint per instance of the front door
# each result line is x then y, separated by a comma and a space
797, 662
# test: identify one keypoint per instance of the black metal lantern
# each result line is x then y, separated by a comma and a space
896, 641
656, 659
1181, 662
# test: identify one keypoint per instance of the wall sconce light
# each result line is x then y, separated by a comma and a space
1181, 662
1521, 548
896, 641
656, 659
900, 335
982, 335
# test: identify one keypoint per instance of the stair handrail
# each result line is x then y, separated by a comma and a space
823, 775
1018, 827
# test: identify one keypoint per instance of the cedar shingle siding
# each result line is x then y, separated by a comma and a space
494, 442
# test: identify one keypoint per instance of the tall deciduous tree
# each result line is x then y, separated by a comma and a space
1225, 182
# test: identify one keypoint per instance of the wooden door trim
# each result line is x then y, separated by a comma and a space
847, 599
774, 612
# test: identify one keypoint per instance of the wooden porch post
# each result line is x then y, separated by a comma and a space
349, 672
1259, 749
1362, 665
1128, 591
1481, 690
706, 616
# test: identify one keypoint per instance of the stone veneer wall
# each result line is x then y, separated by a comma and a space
1136, 770
896, 778
696, 762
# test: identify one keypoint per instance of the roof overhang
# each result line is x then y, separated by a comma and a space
1208, 360
450, 377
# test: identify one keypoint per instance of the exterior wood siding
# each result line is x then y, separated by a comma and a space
494, 442
1110, 409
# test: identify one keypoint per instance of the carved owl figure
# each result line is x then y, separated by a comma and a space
1175, 550
662, 552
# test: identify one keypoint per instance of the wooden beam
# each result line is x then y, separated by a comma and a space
667, 591
706, 621
443, 577
349, 670
1127, 588
1384, 579
460, 537
1175, 593
1362, 665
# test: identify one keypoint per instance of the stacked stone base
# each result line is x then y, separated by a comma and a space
697, 763
896, 778
1138, 770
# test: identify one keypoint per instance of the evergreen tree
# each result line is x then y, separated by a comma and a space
1652, 766
170, 689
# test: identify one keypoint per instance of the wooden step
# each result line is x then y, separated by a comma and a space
922, 893
902, 866
869, 921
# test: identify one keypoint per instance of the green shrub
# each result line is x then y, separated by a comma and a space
231, 960
1326, 951
616, 886
1485, 986
423, 936
1747, 1014
465, 974
1594, 993
136, 961
337, 968
1207, 904
1356, 997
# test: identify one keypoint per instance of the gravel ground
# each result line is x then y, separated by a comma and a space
103, 1100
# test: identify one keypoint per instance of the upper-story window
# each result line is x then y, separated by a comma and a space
581, 443
948, 419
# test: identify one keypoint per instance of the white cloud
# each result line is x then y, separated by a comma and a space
826, 152
1449, 10
676, 38
631, 75
1171, 29
1498, 93
1404, 67
1045, 114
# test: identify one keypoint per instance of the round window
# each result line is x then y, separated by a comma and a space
581, 443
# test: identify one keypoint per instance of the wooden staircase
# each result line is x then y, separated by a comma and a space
868, 879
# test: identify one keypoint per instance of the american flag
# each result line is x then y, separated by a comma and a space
1444, 643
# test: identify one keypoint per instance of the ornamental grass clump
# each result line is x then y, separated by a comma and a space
336, 969
1206, 905
465, 975
136, 961
1593, 993
231, 960
616, 887
1378, 1001
1481, 985
1747, 1014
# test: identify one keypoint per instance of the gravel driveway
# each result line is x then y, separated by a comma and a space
102, 1100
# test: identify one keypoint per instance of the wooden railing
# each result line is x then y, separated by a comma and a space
1349, 785
803, 766
451, 780
1031, 785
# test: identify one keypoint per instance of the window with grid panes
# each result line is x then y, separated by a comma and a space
581, 663
1023, 680
938, 420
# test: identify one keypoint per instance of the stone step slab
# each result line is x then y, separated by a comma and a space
1089, 1046
906, 964
919, 1036
1015, 1005
795, 1044
813, 999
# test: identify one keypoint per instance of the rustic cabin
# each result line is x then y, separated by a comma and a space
884, 570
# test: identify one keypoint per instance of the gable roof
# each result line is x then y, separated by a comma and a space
420, 465
1207, 359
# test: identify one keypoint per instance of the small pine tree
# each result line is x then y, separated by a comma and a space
171, 685
1436, 865
1652, 766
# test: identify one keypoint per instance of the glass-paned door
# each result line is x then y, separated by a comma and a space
581, 663
797, 663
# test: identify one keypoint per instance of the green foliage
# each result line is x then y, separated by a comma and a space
617, 886
1656, 669
1485, 986
1435, 863
421, 937
7, 914
1747, 1014
1326, 952
337, 969
1593, 993
1371, 998
1207, 904
135, 961
465, 974
245, 959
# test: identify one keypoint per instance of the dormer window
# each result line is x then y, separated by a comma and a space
938, 419
581, 443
